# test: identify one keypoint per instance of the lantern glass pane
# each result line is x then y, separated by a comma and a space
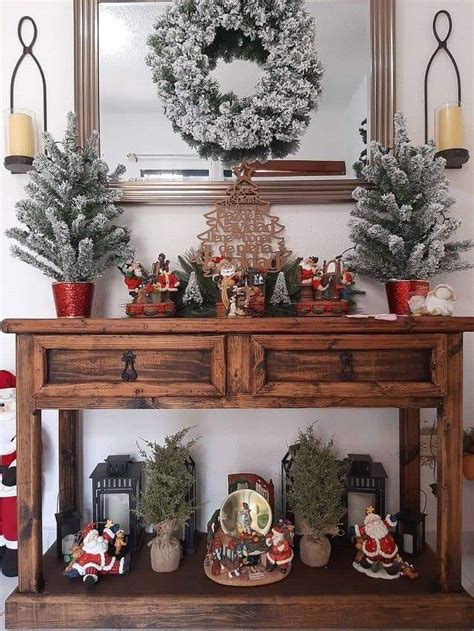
116, 507
356, 505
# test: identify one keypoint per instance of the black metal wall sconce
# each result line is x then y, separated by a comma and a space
448, 117
21, 135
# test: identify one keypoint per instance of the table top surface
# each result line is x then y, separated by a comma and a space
309, 325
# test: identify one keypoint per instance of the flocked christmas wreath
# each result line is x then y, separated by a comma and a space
189, 39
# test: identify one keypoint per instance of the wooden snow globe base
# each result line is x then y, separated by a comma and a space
258, 572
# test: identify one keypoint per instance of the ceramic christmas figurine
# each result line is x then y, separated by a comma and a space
8, 518
280, 554
378, 552
242, 291
243, 548
325, 290
151, 293
93, 559
439, 301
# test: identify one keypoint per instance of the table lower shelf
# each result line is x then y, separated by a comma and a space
336, 596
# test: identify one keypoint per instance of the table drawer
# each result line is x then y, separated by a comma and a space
348, 365
130, 366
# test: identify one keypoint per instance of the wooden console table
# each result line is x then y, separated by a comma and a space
208, 363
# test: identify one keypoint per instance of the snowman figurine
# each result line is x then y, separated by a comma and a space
440, 301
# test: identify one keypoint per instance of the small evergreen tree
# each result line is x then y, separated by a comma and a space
67, 213
400, 226
280, 294
316, 483
168, 481
192, 294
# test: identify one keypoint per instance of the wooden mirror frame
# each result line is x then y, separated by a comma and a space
295, 191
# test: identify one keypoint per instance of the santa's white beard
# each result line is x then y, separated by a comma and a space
95, 546
376, 530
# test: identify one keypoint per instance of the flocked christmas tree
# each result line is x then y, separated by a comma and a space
192, 295
280, 294
68, 211
400, 226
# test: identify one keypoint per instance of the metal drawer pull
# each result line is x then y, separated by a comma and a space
347, 368
129, 373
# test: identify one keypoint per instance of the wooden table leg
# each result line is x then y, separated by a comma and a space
449, 472
68, 460
410, 459
29, 472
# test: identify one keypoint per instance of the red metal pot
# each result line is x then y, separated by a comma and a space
73, 300
399, 293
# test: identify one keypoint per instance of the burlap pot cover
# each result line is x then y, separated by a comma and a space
165, 549
315, 552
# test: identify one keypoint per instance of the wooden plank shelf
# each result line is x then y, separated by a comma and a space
335, 596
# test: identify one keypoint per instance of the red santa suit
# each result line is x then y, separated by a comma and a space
95, 559
378, 545
280, 552
8, 522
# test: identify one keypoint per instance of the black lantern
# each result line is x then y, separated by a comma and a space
286, 465
116, 484
190, 528
364, 477
410, 532
68, 524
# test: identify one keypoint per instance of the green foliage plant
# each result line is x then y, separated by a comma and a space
316, 483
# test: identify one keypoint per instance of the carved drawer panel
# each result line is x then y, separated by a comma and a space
130, 366
349, 365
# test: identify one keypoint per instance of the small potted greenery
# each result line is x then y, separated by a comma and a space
468, 453
164, 502
66, 221
316, 489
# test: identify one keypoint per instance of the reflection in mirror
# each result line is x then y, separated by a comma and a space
135, 131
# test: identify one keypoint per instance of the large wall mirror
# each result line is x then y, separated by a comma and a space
115, 94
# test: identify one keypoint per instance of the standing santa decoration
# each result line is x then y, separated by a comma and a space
280, 554
377, 547
8, 528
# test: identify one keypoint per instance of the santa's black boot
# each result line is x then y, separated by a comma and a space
392, 569
10, 562
89, 581
2, 553
365, 564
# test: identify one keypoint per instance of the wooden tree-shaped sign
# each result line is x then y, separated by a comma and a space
242, 229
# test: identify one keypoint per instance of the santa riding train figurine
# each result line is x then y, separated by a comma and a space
92, 559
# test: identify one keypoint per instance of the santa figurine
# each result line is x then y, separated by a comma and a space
8, 528
280, 554
377, 546
95, 559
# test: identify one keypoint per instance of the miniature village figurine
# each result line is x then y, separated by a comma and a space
377, 553
94, 559
151, 293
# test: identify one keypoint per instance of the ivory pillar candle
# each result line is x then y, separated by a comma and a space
21, 140
449, 127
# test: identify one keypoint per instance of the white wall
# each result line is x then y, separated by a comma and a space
231, 440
